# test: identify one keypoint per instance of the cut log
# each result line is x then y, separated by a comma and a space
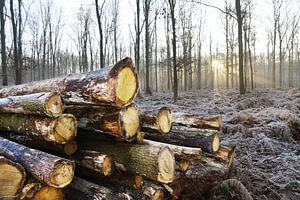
47, 168
223, 158
212, 170
35, 190
207, 140
156, 120
153, 162
47, 104
180, 152
198, 121
59, 130
47, 192
82, 189
135, 185
35, 142
95, 161
113, 86
12, 177
122, 123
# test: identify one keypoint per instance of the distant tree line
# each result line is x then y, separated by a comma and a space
167, 40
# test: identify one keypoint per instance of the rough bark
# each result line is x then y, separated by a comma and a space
3, 44
156, 120
180, 152
47, 168
59, 130
113, 86
152, 162
208, 173
95, 161
12, 178
47, 104
198, 121
207, 140
36, 143
134, 185
121, 123
82, 189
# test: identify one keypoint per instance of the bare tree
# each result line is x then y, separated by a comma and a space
172, 5
276, 16
147, 5
99, 13
3, 43
240, 42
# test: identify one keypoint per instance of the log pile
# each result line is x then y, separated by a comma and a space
82, 137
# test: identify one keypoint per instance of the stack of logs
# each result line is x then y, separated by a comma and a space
120, 150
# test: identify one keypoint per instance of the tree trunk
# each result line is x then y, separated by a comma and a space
240, 42
113, 86
59, 130
50, 169
156, 120
81, 189
95, 161
173, 20
208, 141
12, 178
180, 152
15, 44
3, 45
198, 121
20, 56
155, 163
122, 123
36, 143
47, 104
102, 63
133, 185
211, 171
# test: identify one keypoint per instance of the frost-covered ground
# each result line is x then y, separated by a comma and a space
265, 126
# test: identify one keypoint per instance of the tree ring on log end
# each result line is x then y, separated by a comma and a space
54, 105
127, 85
164, 120
70, 148
131, 122
215, 142
48, 193
65, 128
62, 174
166, 165
107, 165
11, 178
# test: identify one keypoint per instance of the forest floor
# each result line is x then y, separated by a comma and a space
265, 126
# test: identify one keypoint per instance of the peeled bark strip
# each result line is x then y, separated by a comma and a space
207, 140
47, 168
122, 123
95, 161
47, 104
156, 120
113, 86
82, 189
180, 152
12, 177
34, 142
153, 162
59, 130
198, 121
